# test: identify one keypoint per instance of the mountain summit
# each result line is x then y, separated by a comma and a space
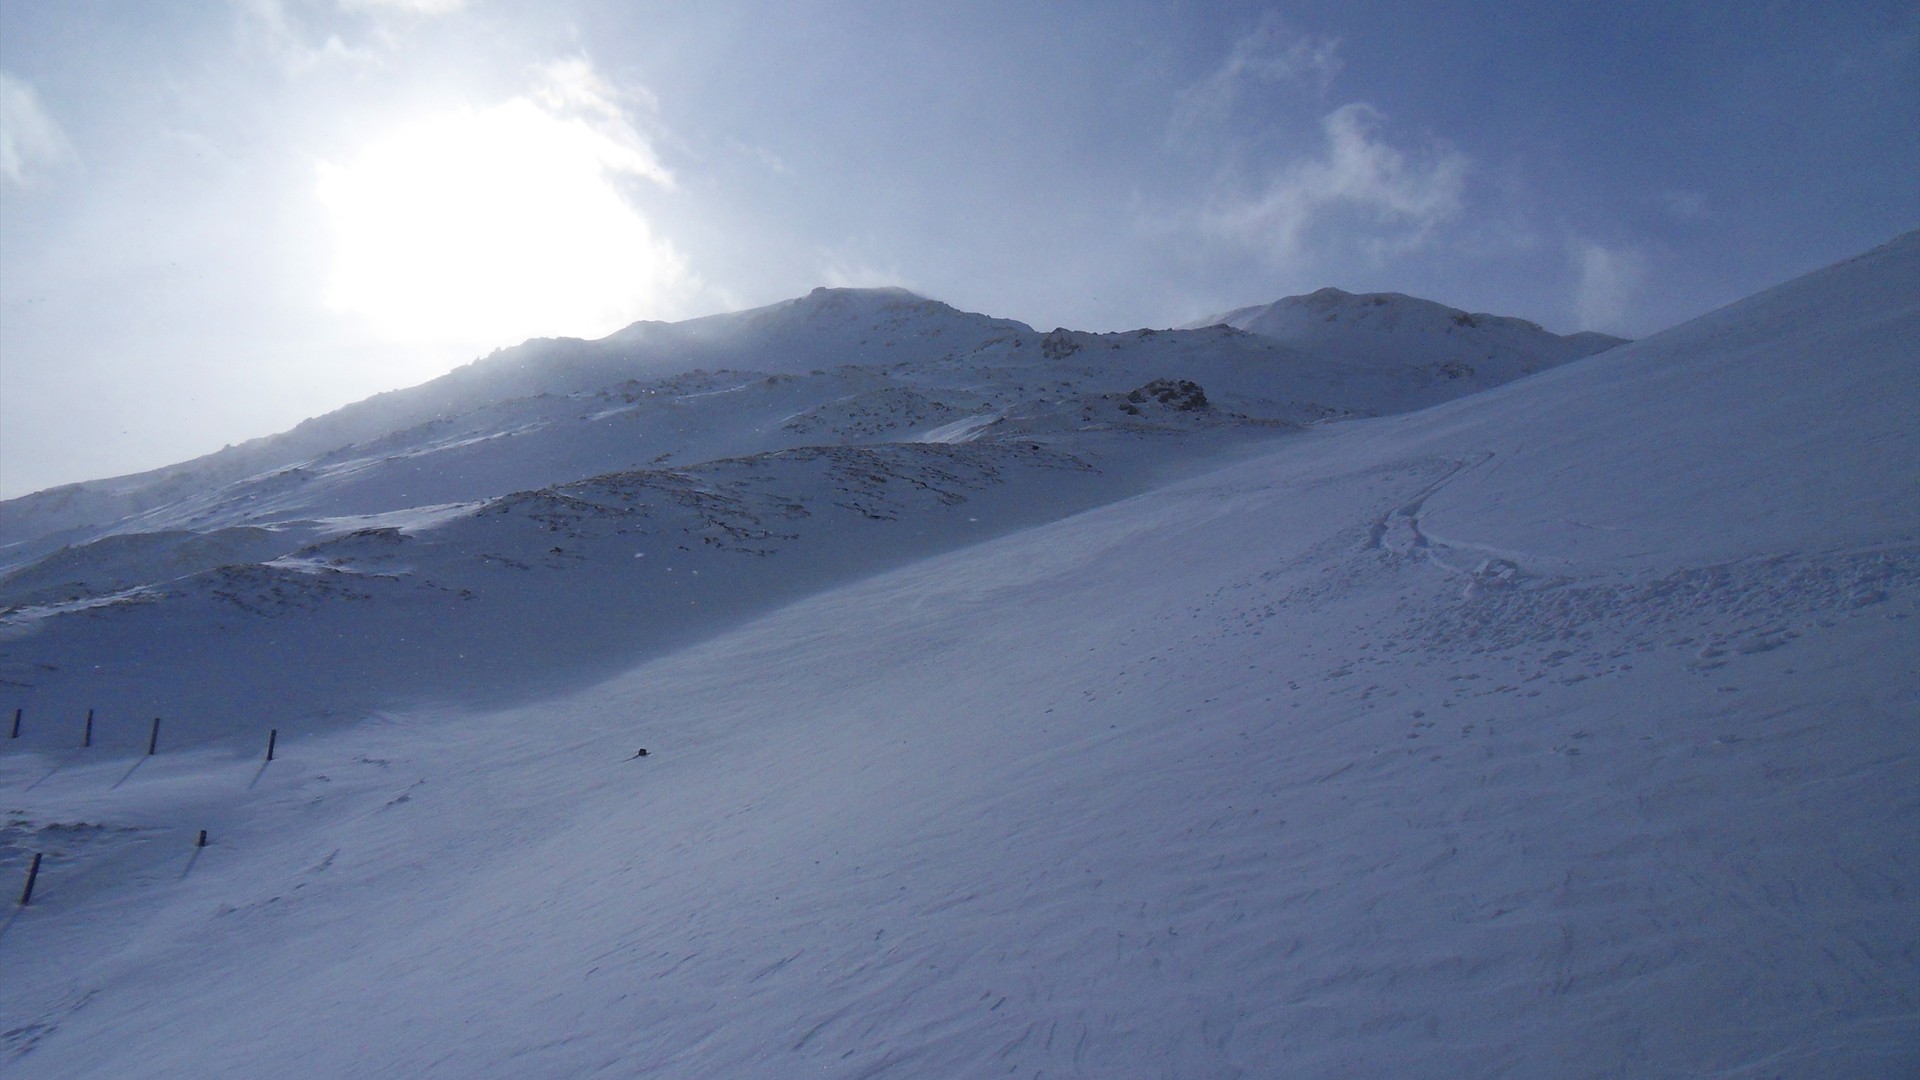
1390, 329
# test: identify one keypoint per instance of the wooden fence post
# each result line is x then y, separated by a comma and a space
16, 725
26, 895
87, 739
203, 839
153, 740
271, 737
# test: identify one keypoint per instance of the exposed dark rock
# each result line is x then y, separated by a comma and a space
1059, 345
1182, 394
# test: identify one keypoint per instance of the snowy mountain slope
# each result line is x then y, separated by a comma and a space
1787, 409
220, 556
883, 362
1252, 774
1395, 330
501, 598
824, 330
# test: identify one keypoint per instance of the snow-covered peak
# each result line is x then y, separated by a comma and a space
827, 297
823, 305
1395, 329
836, 325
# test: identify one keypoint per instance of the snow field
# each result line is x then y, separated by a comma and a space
1235, 843
1565, 730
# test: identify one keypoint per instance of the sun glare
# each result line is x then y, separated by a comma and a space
490, 226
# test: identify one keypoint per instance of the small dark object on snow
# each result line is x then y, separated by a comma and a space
33, 874
640, 753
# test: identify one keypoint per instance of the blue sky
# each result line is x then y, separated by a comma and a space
217, 219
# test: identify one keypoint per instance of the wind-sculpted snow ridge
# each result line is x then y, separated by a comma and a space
1562, 730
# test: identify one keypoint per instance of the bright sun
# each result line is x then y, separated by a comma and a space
494, 225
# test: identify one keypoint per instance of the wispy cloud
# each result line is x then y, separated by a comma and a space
773, 164
1388, 198
573, 91
1607, 282
268, 28
31, 144
1271, 56
1294, 178
1684, 205
294, 34
409, 7
847, 267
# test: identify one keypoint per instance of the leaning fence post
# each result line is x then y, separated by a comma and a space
203, 839
153, 740
87, 739
16, 725
26, 895
271, 736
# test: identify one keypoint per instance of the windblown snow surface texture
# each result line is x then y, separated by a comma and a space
1564, 729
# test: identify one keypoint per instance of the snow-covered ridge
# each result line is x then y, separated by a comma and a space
1393, 329
838, 342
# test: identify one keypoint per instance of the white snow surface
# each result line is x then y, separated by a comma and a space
1565, 729
1390, 329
